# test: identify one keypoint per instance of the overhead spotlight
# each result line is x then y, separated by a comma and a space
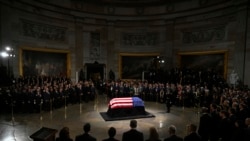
7, 48
4, 54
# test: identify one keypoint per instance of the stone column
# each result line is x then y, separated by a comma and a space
1, 27
246, 73
78, 45
111, 55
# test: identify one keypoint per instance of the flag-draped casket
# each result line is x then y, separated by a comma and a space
126, 106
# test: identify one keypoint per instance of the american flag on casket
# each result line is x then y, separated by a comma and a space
125, 102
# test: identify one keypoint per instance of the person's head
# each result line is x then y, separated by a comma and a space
231, 111
153, 134
213, 107
86, 127
111, 132
133, 123
223, 114
247, 122
204, 110
64, 132
171, 130
192, 128
239, 124
242, 106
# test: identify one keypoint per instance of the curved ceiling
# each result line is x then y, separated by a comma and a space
130, 3
129, 10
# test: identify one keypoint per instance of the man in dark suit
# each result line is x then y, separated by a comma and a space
133, 134
193, 135
215, 120
225, 128
173, 136
247, 130
205, 128
168, 97
111, 133
85, 136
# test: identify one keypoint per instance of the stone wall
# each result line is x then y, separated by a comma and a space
93, 33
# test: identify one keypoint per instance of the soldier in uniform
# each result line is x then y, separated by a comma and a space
79, 92
162, 94
150, 92
156, 92
126, 89
70, 91
38, 101
145, 91
115, 90
46, 99
121, 89
86, 91
168, 101
93, 91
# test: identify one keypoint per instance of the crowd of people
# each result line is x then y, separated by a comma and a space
225, 108
36, 93
133, 134
41, 93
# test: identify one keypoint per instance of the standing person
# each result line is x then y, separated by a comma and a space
204, 129
86, 90
172, 133
225, 127
247, 130
238, 131
111, 75
193, 135
64, 135
85, 136
233, 79
111, 133
215, 120
168, 99
153, 135
133, 134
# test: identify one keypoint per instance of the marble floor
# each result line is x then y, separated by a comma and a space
19, 127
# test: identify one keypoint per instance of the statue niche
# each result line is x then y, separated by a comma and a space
95, 71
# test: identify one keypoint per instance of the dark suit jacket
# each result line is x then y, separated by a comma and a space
173, 138
132, 135
225, 129
59, 139
85, 137
110, 139
192, 137
247, 134
153, 140
205, 127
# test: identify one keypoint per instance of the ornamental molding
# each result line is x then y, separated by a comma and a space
204, 35
43, 31
139, 39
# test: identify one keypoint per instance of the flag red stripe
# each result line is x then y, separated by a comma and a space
126, 102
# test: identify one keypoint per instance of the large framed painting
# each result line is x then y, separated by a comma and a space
205, 60
44, 62
132, 65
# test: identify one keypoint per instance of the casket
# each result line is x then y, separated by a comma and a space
126, 106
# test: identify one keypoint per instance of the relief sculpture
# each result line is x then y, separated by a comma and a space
95, 46
139, 39
43, 31
207, 35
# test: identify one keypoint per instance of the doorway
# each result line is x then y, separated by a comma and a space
95, 71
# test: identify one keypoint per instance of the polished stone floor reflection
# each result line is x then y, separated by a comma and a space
19, 127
